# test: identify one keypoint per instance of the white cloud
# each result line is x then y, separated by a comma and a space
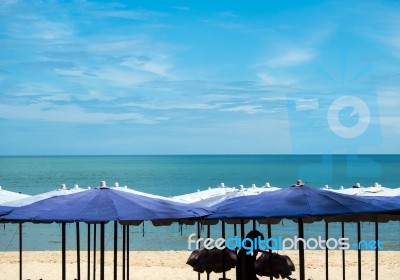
70, 113
290, 58
69, 72
34, 26
137, 14
50, 30
117, 45
276, 79
307, 104
158, 67
97, 95
249, 109
381, 22
55, 97
8, 2
174, 105
40, 92
140, 55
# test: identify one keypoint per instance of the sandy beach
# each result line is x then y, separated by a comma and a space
172, 265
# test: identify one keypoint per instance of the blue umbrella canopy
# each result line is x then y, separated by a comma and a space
14, 201
5, 210
7, 197
299, 202
103, 205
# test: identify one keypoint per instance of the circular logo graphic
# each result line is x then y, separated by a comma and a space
356, 109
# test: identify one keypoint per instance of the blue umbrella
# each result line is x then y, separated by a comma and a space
300, 202
10, 204
103, 205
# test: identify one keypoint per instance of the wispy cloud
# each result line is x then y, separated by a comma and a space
70, 72
170, 105
9, 2
34, 26
248, 109
276, 78
86, 62
289, 58
136, 14
71, 113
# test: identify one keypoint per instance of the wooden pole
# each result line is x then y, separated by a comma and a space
88, 253
115, 249
127, 252
78, 251
326, 251
343, 257
301, 249
94, 250
102, 247
271, 277
359, 249
242, 252
223, 252
376, 251
20, 251
63, 255
123, 251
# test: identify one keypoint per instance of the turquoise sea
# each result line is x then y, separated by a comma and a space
181, 174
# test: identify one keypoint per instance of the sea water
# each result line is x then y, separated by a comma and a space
175, 175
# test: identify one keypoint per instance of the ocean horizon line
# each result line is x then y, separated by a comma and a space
205, 154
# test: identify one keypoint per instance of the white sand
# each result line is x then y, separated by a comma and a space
172, 265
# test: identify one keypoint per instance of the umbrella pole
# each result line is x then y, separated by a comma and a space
376, 251
78, 251
127, 252
115, 249
301, 249
326, 251
123, 250
223, 253
343, 256
63, 224
20, 251
208, 236
198, 236
94, 250
271, 277
359, 249
241, 251
88, 252
102, 229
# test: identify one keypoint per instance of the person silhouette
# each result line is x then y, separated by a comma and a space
245, 268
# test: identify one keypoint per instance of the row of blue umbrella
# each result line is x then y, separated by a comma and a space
105, 204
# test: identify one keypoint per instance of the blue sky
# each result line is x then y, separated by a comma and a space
199, 77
